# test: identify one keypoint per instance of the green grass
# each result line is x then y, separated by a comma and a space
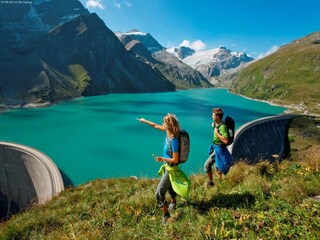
289, 76
265, 201
80, 76
66, 88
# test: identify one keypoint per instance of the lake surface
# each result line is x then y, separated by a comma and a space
99, 137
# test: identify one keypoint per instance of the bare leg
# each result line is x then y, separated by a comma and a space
210, 182
165, 209
166, 214
220, 174
209, 173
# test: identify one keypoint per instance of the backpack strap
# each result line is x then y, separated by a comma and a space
170, 150
168, 141
222, 123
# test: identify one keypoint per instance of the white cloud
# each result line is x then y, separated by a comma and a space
196, 45
117, 4
128, 4
94, 4
273, 49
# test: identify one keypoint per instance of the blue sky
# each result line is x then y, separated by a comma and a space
254, 26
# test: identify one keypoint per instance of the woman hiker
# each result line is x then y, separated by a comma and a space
173, 179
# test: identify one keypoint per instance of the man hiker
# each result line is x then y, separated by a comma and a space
221, 157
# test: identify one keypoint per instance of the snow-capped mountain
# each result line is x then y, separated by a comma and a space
149, 50
211, 63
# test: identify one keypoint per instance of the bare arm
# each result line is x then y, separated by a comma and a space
174, 159
152, 124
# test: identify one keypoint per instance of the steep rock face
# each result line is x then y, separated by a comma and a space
57, 12
40, 13
183, 76
79, 57
181, 52
20, 22
22, 25
145, 38
110, 67
136, 47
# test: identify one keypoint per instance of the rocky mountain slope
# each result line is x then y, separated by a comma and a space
213, 63
146, 39
20, 22
149, 50
289, 76
80, 56
181, 52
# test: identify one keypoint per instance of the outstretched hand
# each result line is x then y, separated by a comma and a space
152, 124
141, 119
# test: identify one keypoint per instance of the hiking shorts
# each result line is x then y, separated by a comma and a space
208, 164
163, 187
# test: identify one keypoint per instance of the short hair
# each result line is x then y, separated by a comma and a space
218, 112
170, 122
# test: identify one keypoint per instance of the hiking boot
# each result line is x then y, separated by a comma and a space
172, 206
165, 218
209, 184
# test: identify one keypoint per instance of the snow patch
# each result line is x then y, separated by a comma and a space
135, 33
202, 57
238, 54
173, 52
70, 17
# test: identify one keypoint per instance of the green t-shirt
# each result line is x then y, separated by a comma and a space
223, 130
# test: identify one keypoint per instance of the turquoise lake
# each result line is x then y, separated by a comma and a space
99, 137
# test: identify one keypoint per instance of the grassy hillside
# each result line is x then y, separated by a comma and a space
289, 76
265, 201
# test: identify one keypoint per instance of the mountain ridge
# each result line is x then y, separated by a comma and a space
81, 57
290, 76
180, 74
213, 63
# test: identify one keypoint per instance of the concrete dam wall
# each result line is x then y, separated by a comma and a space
26, 176
263, 139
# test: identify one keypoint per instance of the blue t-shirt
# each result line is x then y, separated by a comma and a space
174, 143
